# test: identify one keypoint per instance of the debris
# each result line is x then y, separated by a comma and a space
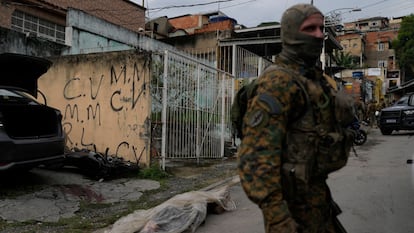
98, 166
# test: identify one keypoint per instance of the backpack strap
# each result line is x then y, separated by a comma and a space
239, 106
297, 78
331, 81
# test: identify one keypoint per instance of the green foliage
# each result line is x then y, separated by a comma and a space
404, 44
153, 172
345, 60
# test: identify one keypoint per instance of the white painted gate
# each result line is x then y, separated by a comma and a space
190, 108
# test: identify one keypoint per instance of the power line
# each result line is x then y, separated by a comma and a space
373, 4
382, 5
155, 10
238, 4
190, 5
384, 8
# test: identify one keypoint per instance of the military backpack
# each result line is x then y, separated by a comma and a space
344, 111
239, 106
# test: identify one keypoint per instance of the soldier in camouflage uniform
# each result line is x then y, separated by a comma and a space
292, 135
372, 107
360, 109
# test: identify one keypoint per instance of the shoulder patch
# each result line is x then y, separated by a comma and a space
257, 118
271, 104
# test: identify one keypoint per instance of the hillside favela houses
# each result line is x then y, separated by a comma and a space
161, 89
376, 74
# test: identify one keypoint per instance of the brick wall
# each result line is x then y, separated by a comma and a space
186, 22
120, 12
195, 24
382, 36
222, 25
5, 19
372, 52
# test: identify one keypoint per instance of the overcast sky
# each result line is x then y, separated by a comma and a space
253, 12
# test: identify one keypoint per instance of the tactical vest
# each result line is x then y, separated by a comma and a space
317, 143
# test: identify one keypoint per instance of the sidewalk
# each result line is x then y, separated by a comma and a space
246, 218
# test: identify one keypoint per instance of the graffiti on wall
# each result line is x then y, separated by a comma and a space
106, 111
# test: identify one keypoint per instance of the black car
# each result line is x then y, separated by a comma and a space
31, 133
399, 116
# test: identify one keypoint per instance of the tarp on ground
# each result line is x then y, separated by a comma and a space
182, 213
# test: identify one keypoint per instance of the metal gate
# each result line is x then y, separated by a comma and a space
190, 108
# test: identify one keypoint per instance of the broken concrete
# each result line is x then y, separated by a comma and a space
64, 191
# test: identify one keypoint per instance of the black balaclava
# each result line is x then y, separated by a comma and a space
299, 47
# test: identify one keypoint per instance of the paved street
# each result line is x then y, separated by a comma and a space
375, 191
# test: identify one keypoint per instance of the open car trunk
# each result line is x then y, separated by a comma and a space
30, 121
22, 71
31, 133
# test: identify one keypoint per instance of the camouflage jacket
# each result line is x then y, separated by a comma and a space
273, 126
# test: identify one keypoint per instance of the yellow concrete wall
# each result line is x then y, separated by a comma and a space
105, 102
353, 46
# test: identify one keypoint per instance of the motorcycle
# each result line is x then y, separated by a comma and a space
360, 134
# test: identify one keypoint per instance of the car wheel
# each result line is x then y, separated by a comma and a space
386, 131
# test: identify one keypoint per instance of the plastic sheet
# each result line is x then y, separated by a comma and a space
182, 213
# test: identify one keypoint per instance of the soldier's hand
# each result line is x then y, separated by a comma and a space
286, 226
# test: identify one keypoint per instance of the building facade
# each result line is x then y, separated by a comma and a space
369, 41
47, 18
354, 45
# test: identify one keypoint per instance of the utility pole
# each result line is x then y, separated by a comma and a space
332, 18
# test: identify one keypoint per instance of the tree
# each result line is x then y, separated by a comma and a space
343, 59
404, 45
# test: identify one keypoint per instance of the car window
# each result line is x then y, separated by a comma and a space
402, 101
412, 100
12, 96
6, 93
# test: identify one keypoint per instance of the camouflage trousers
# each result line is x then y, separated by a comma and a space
315, 211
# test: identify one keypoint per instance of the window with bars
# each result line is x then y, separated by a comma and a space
382, 63
381, 46
23, 22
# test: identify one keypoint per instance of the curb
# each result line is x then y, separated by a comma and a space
228, 181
